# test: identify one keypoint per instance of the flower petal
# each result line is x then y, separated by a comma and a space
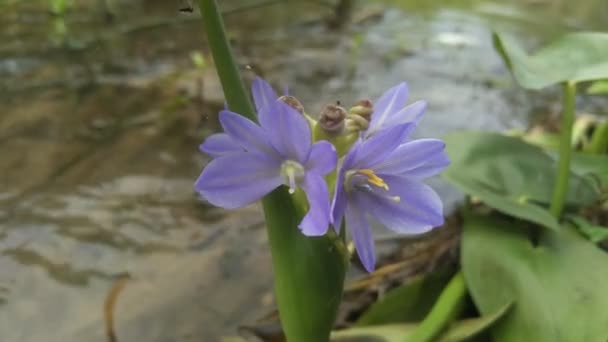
235, 180
412, 113
362, 235
263, 97
289, 132
418, 210
416, 159
245, 132
392, 101
323, 158
316, 221
379, 147
219, 144
338, 203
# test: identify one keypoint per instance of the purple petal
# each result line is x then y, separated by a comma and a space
323, 158
392, 101
361, 233
263, 97
235, 180
412, 113
219, 144
316, 221
377, 148
245, 132
289, 132
417, 159
338, 204
418, 210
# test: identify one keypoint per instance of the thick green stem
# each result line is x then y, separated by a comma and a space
560, 191
308, 272
447, 308
230, 77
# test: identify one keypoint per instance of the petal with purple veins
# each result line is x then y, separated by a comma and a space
377, 148
361, 233
323, 158
411, 113
316, 221
392, 101
289, 132
263, 97
417, 159
417, 211
338, 204
245, 132
235, 180
219, 144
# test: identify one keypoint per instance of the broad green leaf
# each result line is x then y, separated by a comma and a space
407, 303
558, 287
510, 175
469, 328
593, 232
576, 57
592, 166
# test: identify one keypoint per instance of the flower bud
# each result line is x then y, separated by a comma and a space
293, 103
332, 119
363, 108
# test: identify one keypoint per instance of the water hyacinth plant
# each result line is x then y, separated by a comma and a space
380, 176
319, 179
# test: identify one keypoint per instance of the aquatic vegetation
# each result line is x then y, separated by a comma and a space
529, 272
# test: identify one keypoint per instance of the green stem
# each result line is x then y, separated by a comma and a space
225, 64
560, 191
449, 305
308, 272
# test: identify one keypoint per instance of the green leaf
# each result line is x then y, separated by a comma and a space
576, 57
510, 175
593, 232
592, 166
407, 303
458, 331
558, 286
470, 328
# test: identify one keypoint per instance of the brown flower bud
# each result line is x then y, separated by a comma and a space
362, 108
332, 118
293, 103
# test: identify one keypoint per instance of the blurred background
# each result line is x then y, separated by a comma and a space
104, 103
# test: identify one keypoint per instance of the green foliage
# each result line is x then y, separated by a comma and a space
510, 175
598, 88
558, 286
575, 57
407, 303
459, 331
593, 232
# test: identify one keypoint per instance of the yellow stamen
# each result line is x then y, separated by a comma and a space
373, 178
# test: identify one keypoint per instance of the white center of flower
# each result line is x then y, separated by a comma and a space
366, 180
292, 171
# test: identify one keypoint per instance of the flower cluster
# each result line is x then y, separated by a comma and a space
374, 170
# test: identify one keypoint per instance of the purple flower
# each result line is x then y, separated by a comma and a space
263, 97
390, 110
381, 177
251, 160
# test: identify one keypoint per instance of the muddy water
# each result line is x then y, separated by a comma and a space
102, 111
